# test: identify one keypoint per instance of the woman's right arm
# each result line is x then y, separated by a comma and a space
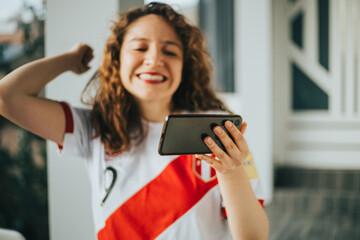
19, 89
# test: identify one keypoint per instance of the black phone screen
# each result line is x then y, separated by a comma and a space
184, 133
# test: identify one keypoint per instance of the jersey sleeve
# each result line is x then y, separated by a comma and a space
77, 138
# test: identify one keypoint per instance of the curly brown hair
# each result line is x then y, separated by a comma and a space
116, 116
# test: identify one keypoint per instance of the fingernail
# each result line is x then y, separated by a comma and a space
228, 124
218, 130
208, 140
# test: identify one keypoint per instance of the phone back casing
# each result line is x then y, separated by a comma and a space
184, 133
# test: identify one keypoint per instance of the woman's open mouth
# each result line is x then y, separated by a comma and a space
152, 78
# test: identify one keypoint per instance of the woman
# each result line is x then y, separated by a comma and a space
154, 64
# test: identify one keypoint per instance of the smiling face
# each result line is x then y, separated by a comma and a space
151, 60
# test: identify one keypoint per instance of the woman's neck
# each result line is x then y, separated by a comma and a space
155, 111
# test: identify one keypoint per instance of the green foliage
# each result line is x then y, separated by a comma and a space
23, 187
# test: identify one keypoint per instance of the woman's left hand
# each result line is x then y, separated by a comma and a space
237, 150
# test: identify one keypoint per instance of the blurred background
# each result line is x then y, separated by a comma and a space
291, 68
23, 165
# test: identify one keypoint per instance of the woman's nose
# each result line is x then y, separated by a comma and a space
153, 59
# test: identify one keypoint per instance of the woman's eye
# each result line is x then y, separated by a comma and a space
170, 53
141, 49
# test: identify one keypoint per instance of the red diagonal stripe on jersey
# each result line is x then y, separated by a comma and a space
158, 204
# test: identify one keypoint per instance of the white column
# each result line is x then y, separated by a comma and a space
67, 23
255, 75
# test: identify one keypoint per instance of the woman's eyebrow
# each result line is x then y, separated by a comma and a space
168, 42
135, 39
173, 43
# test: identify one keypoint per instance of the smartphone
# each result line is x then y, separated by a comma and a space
184, 133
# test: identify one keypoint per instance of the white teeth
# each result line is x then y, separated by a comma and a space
145, 76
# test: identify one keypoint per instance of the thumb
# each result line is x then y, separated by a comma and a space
243, 127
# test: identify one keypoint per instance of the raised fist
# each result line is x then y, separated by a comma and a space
82, 54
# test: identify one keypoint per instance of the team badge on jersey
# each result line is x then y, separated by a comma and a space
203, 170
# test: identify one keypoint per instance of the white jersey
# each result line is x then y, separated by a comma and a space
141, 195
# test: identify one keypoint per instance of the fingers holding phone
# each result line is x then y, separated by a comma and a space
235, 145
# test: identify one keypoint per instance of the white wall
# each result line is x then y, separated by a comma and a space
67, 23
254, 74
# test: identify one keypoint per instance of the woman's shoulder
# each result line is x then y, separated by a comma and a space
75, 110
76, 116
83, 111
